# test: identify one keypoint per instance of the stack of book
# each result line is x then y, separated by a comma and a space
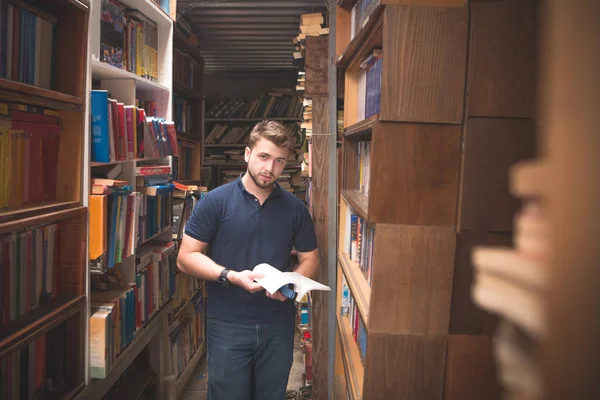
310, 25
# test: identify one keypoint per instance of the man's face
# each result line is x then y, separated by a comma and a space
266, 162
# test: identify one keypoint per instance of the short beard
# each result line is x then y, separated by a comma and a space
259, 183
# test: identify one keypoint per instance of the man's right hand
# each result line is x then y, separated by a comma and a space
245, 280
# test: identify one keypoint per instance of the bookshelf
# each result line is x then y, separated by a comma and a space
188, 86
228, 123
133, 155
186, 338
424, 179
43, 214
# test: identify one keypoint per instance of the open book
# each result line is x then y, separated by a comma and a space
274, 280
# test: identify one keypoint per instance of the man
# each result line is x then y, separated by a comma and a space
250, 333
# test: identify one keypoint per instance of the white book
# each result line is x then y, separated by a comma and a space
274, 279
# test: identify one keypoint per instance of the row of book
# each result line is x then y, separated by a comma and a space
360, 239
29, 149
369, 85
186, 335
156, 277
123, 132
29, 270
182, 114
38, 369
27, 42
279, 103
185, 199
184, 27
240, 133
186, 287
360, 15
184, 68
363, 162
350, 310
122, 219
128, 40
120, 311
187, 159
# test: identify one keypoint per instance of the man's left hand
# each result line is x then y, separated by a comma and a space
276, 296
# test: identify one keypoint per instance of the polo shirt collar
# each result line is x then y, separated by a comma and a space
275, 193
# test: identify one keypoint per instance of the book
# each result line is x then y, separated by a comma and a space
274, 280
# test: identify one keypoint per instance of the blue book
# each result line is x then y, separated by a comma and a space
100, 139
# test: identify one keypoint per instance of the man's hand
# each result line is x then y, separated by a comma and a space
276, 296
245, 280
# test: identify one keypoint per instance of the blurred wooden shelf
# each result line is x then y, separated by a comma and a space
361, 291
37, 322
23, 218
363, 127
18, 92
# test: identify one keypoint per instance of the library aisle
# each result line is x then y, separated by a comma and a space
445, 153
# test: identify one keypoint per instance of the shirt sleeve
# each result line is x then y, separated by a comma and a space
305, 238
203, 223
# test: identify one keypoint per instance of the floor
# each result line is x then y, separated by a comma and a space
196, 389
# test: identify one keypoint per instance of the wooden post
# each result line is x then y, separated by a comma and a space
317, 89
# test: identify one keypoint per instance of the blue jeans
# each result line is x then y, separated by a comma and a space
248, 362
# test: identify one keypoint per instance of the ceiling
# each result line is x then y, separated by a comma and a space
247, 35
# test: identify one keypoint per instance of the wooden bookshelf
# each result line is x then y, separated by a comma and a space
44, 292
432, 185
192, 93
231, 123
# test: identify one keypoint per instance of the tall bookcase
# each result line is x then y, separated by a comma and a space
425, 167
188, 110
43, 214
145, 81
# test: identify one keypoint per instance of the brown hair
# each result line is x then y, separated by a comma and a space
274, 131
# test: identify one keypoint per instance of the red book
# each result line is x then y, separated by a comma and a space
42, 169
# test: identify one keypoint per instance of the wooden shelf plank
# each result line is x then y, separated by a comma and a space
150, 9
351, 357
37, 322
361, 291
136, 385
180, 42
252, 119
18, 213
97, 388
357, 45
185, 376
362, 127
180, 310
102, 70
185, 136
346, 4
18, 92
64, 395
157, 234
102, 164
52, 212
358, 201
183, 90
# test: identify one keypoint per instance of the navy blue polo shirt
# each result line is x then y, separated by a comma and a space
242, 234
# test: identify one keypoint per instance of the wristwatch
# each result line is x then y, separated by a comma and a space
223, 278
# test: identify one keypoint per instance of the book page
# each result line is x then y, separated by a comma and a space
274, 279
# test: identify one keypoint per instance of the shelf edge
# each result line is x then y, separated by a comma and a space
361, 290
